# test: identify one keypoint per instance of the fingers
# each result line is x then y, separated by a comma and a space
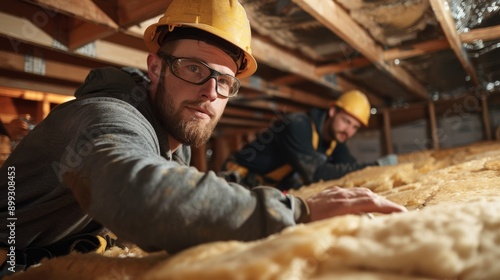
340, 201
376, 204
338, 193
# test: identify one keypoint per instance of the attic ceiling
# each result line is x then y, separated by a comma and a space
401, 53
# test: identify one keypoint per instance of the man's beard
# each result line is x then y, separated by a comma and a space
339, 139
334, 134
193, 132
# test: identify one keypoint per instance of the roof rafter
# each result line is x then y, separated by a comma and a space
85, 21
281, 59
484, 34
338, 21
443, 15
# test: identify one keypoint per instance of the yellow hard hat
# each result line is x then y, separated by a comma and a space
356, 104
225, 19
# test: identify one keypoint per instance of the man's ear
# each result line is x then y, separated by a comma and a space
154, 67
331, 112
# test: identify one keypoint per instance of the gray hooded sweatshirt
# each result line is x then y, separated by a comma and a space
102, 160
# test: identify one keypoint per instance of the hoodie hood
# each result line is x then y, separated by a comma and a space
112, 81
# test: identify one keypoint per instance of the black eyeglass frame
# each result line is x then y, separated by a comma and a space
170, 59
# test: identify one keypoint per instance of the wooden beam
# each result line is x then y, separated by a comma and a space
43, 109
221, 152
443, 15
83, 9
335, 18
37, 19
433, 126
199, 158
358, 62
243, 122
235, 131
87, 33
65, 91
135, 12
416, 49
387, 131
230, 111
15, 28
34, 95
128, 39
57, 70
268, 105
279, 58
85, 21
121, 55
486, 117
19, 30
483, 34
110, 8
287, 80
274, 90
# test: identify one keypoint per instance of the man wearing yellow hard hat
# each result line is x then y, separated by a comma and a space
300, 149
117, 157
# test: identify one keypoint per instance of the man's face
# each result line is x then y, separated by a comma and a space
342, 126
190, 112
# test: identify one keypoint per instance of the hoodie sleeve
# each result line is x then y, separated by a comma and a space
114, 170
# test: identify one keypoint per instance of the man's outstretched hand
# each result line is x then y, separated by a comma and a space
337, 201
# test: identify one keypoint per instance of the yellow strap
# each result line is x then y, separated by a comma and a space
279, 173
315, 140
315, 136
333, 144
102, 246
234, 167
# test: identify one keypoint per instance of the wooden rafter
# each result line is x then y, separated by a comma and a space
288, 80
87, 33
442, 12
284, 92
135, 12
484, 34
33, 95
104, 22
73, 73
281, 59
416, 49
95, 23
343, 66
83, 9
13, 28
335, 18
243, 122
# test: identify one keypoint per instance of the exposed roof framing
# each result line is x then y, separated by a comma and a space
441, 9
334, 17
308, 51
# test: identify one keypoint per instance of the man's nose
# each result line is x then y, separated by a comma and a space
209, 89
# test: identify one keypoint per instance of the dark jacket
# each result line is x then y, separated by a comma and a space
290, 141
103, 159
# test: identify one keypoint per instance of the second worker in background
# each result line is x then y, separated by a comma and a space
299, 149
